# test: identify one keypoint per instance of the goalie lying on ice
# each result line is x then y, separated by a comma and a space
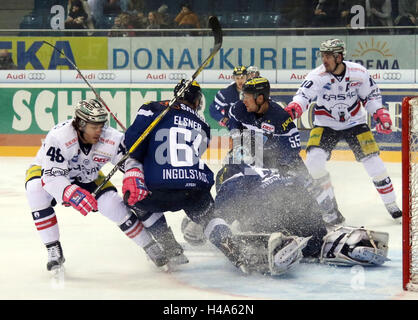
279, 224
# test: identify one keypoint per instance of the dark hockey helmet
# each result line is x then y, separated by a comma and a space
240, 71
257, 86
91, 111
192, 94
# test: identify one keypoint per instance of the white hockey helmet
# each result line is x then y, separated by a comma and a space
334, 46
91, 111
253, 72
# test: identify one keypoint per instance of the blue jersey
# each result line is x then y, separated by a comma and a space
171, 153
280, 135
264, 201
223, 100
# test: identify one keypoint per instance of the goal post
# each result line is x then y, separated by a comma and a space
410, 192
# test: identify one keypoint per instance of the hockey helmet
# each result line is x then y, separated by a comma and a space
240, 71
192, 94
257, 86
91, 111
334, 46
253, 71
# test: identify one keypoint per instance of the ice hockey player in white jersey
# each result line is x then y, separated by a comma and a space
344, 94
67, 170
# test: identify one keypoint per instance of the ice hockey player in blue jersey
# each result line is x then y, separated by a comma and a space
274, 231
265, 135
263, 203
166, 173
226, 97
266, 122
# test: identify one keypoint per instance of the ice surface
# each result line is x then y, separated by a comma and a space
102, 263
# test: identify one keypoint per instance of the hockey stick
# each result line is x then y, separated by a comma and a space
217, 33
89, 85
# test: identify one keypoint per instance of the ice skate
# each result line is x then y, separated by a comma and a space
156, 255
55, 257
394, 211
172, 249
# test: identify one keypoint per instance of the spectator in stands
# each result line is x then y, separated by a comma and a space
134, 6
77, 16
123, 21
6, 61
89, 21
187, 18
165, 17
294, 13
326, 14
408, 13
154, 20
141, 20
112, 7
379, 13
96, 9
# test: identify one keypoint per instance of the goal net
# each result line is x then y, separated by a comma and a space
410, 192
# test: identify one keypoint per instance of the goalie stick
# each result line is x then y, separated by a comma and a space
217, 33
88, 84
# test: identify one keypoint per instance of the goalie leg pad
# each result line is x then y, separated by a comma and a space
349, 246
272, 254
284, 252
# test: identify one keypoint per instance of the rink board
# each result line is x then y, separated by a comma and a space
30, 112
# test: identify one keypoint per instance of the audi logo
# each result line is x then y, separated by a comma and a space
177, 76
36, 76
392, 76
106, 76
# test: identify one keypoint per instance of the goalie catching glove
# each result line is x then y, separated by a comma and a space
353, 246
79, 198
134, 188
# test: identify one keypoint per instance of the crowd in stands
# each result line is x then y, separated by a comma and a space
174, 14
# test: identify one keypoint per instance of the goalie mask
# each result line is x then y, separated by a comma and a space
91, 111
192, 95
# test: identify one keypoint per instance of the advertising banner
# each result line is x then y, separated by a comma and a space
34, 111
223, 77
377, 52
32, 53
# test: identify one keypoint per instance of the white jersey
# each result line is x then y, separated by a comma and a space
63, 161
341, 102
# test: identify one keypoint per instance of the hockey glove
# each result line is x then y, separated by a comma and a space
384, 123
80, 199
294, 109
134, 186
224, 121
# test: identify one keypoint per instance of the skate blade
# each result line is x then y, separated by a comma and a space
398, 220
178, 260
58, 270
